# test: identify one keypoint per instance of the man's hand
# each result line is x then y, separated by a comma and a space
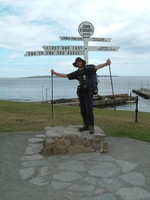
58, 74
108, 62
52, 72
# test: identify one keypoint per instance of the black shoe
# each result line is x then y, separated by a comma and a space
91, 129
84, 128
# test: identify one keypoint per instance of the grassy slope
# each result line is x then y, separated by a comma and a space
17, 116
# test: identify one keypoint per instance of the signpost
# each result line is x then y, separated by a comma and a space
86, 30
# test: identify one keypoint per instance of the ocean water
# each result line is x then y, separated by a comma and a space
40, 89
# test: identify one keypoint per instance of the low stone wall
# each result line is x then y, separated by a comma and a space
67, 139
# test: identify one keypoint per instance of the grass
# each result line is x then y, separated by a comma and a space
19, 116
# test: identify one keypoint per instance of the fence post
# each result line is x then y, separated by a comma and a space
52, 94
136, 110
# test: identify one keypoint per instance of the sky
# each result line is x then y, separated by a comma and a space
27, 25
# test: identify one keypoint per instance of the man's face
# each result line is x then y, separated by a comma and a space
79, 64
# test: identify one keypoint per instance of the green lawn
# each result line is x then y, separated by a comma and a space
18, 116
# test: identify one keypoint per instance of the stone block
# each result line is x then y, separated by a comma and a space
36, 140
133, 193
27, 173
78, 149
43, 171
38, 181
40, 136
68, 139
52, 134
66, 176
32, 157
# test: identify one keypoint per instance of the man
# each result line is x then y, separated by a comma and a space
84, 90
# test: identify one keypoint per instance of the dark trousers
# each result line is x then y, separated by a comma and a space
86, 109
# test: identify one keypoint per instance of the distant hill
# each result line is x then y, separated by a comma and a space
48, 76
108, 76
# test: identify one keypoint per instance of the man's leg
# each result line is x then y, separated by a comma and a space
88, 101
83, 114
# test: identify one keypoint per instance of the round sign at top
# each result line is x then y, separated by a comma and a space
86, 29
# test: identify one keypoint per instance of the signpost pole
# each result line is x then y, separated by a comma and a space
136, 110
52, 93
86, 50
112, 86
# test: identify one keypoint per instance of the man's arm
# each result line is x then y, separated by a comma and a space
103, 65
58, 74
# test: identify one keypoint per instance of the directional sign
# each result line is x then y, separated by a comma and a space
68, 50
63, 48
92, 39
103, 48
54, 53
70, 38
99, 39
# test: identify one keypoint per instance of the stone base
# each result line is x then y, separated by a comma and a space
68, 139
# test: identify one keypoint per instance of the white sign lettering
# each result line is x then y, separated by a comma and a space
62, 48
35, 53
53, 53
71, 38
103, 48
92, 39
99, 39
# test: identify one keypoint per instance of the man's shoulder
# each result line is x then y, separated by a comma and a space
74, 72
89, 68
73, 75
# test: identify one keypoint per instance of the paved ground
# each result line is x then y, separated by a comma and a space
121, 174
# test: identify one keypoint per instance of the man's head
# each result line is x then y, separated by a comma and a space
79, 62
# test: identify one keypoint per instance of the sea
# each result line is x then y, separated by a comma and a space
40, 89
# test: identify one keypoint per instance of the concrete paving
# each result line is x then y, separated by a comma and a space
121, 174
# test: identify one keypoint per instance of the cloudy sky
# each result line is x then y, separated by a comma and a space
27, 25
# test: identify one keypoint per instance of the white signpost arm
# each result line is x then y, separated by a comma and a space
103, 48
91, 39
63, 48
54, 53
